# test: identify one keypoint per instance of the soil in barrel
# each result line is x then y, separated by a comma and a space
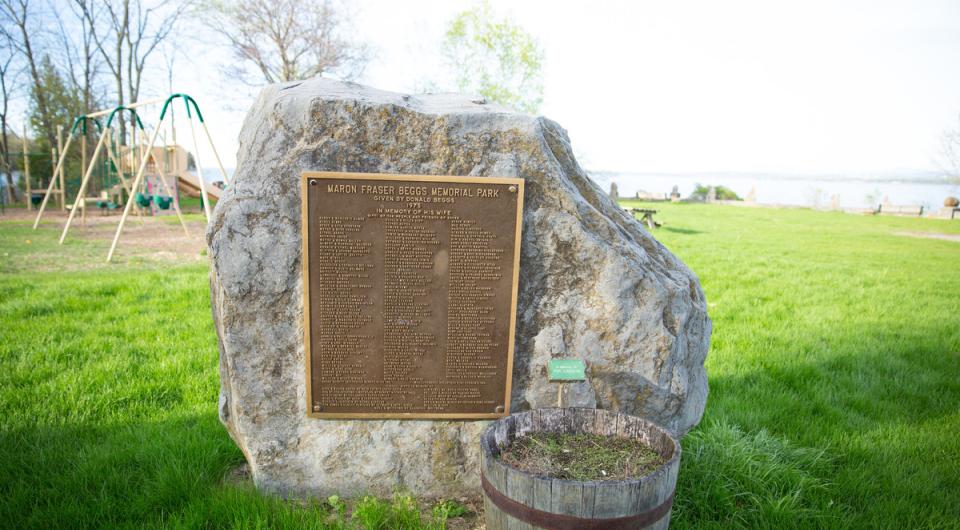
581, 456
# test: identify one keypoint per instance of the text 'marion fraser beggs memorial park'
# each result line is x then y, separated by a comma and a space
391, 272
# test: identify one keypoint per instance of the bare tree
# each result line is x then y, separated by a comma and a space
950, 152
149, 28
82, 57
6, 85
169, 58
287, 40
134, 32
19, 14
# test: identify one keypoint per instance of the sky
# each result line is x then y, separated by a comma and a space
804, 87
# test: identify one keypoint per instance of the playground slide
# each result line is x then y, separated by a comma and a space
189, 185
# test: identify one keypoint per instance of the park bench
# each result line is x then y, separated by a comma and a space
905, 210
646, 217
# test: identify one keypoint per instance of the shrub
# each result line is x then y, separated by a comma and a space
724, 193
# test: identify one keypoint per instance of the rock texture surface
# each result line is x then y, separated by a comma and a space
593, 284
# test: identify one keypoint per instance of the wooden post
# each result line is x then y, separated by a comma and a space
166, 188
131, 155
43, 205
123, 180
133, 145
133, 163
83, 151
113, 158
196, 159
83, 187
83, 212
226, 179
53, 177
118, 154
132, 192
83, 163
174, 158
83, 203
126, 208
63, 189
26, 171
120, 172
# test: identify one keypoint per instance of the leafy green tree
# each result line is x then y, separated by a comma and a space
66, 101
63, 103
494, 57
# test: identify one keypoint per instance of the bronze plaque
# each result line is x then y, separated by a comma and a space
410, 294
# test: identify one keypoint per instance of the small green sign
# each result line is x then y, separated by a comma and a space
567, 370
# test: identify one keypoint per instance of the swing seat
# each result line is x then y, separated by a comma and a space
162, 202
36, 199
143, 200
106, 206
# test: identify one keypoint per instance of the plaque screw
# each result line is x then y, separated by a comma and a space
317, 408
313, 182
499, 409
513, 189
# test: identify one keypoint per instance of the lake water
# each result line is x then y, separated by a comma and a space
793, 191
814, 192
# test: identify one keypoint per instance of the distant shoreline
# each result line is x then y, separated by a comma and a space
918, 177
790, 190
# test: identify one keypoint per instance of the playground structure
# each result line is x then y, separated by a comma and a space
158, 173
57, 182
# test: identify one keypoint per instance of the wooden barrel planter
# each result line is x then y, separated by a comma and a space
517, 499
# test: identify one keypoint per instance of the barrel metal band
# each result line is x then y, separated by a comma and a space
556, 521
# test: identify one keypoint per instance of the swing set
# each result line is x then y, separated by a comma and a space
138, 155
33, 198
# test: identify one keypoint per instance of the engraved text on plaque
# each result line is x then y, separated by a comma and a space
410, 292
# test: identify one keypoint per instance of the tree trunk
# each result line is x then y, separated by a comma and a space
5, 146
119, 79
7, 166
39, 91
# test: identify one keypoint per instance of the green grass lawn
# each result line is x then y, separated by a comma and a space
834, 384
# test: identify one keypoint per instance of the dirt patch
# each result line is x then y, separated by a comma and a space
930, 235
145, 240
581, 456
158, 237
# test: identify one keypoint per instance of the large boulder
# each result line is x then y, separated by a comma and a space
593, 285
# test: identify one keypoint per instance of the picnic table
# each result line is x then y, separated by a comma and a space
647, 217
